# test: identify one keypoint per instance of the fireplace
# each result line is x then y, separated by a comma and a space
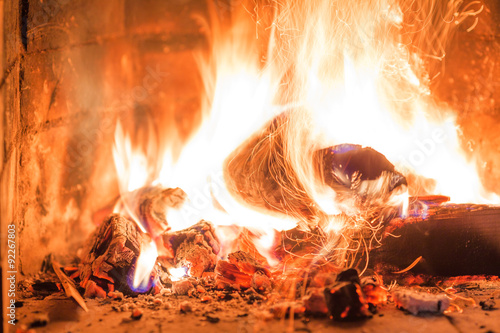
108, 103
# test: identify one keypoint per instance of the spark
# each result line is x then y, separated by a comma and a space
413, 264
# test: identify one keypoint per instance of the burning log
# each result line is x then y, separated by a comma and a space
195, 248
110, 257
262, 173
228, 275
151, 204
451, 239
260, 275
241, 271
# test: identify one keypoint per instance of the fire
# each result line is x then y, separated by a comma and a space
339, 72
177, 273
144, 266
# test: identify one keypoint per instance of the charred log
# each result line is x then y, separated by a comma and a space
195, 248
246, 263
110, 257
260, 174
151, 204
451, 239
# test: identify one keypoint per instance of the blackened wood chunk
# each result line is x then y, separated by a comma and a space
195, 248
345, 299
349, 275
345, 302
196, 256
110, 256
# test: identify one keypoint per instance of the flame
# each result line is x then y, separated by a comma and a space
342, 72
177, 273
144, 265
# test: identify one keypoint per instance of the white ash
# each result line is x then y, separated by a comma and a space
418, 302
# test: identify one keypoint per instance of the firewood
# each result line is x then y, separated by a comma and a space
151, 204
195, 248
260, 172
69, 286
110, 257
452, 239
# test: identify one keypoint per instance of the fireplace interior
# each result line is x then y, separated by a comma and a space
93, 91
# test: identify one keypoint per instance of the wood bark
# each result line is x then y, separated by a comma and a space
110, 257
452, 240
195, 248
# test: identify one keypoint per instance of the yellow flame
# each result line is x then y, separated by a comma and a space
177, 273
145, 264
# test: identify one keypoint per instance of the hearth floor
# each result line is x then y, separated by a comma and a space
162, 314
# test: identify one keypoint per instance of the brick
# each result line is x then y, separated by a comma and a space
172, 18
55, 24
